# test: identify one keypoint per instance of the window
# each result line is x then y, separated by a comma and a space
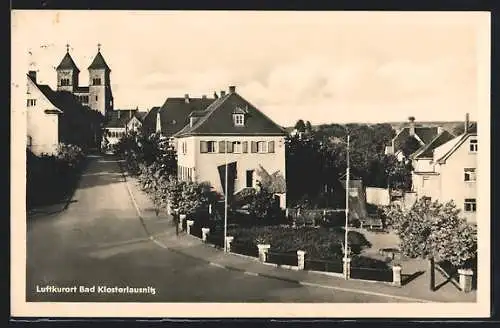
65, 82
207, 146
96, 81
239, 119
470, 205
473, 145
31, 102
29, 142
237, 147
262, 147
469, 174
96, 98
184, 147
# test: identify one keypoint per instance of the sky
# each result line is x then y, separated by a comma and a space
325, 67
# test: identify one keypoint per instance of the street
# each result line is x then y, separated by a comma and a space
99, 241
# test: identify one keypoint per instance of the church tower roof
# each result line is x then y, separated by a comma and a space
99, 62
67, 62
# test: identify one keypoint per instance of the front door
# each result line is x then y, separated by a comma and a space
249, 178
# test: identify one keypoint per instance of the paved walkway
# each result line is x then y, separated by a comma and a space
192, 247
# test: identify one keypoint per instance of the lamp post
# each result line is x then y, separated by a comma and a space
347, 202
225, 199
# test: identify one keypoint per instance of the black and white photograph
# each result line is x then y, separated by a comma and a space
250, 163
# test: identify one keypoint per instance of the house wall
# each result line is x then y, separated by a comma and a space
134, 124
428, 185
423, 165
203, 167
377, 196
452, 173
42, 128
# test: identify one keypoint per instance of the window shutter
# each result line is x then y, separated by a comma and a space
254, 147
270, 147
222, 147
203, 147
245, 146
230, 147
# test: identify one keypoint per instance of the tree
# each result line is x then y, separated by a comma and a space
433, 230
262, 204
300, 126
191, 198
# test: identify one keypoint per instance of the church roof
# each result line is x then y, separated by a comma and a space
67, 63
99, 63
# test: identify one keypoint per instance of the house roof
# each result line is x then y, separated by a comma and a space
63, 101
444, 151
118, 118
174, 114
424, 135
428, 150
99, 63
67, 63
218, 120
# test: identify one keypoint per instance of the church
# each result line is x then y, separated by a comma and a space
73, 113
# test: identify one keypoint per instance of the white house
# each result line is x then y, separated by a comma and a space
56, 116
230, 131
121, 121
448, 171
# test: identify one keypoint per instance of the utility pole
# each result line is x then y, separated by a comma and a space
347, 201
225, 200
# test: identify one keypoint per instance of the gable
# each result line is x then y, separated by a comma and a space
218, 120
455, 145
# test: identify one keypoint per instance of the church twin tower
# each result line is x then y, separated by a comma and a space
97, 95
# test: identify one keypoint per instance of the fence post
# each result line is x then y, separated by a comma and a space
396, 275
263, 249
347, 268
229, 240
465, 279
301, 259
204, 233
189, 223
286, 212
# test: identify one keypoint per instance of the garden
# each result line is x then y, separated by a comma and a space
50, 179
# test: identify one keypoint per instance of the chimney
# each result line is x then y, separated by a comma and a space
119, 112
439, 130
232, 89
32, 74
412, 125
129, 114
192, 120
222, 93
186, 98
466, 123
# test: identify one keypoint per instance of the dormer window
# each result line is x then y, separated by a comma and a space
239, 119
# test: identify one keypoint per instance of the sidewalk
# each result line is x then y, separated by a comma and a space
163, 233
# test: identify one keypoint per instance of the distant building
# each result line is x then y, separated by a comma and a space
447, 170
97, 95
121, 121
422, 134
230, 130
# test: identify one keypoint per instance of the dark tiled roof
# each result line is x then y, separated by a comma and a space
118, 118
149, 121
67, 63
141, 115
99, 63
174, 114
427, 151
219, 120
64, 100
426, 134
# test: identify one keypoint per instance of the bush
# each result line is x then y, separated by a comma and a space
319, 243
